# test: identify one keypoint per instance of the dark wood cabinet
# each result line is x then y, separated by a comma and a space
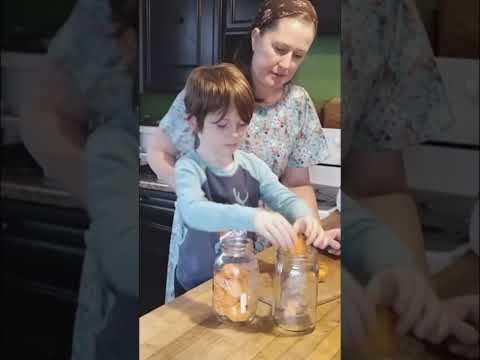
458, 29
177, 36
42, 255
240, 14
42, 251
156, 218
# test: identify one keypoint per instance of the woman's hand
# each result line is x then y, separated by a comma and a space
275, 228
317, 236
358, 312
161, 155
464, 312
408, 293
332, 238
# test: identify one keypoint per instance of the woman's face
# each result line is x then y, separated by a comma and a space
277, 53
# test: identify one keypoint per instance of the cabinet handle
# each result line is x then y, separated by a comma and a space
181, 20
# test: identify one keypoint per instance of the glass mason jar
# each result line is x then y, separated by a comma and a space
295, 287
235, 279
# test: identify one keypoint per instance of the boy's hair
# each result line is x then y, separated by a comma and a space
212, 89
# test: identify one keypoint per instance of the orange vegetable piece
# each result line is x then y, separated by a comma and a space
229, 286
299, 245
322, 271
382, 341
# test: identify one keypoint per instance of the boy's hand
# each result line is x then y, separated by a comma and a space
313, 231
408, 293
275, 228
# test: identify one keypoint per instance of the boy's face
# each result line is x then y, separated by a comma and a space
222, 135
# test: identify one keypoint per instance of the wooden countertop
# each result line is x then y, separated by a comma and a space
187, 328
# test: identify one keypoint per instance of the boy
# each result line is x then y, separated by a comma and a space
219, 187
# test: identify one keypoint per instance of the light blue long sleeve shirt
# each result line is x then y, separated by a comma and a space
210, 200
201, 213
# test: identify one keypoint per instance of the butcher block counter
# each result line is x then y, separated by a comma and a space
188, 329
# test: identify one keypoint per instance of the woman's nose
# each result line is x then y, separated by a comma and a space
285, 62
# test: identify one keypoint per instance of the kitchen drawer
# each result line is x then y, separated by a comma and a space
37, 261
43, 247
15, 210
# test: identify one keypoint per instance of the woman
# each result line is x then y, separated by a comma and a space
81, 128
285, 131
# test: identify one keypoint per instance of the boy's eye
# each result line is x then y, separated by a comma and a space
222, 126
298, 56
280, 50
242, 124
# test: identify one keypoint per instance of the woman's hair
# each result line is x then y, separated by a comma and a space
124, 15
267, 18
212, 89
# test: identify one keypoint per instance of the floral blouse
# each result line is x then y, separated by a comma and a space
392, 92
285, 134
392, 97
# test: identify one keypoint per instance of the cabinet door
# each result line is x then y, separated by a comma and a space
42, 252
156, 218
329, 16
458, 29
240, 14
177, 37
154, 245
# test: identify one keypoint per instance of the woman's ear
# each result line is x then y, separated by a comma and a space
255, 37
192, 121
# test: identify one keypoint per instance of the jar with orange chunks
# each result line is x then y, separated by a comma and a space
295, 287
235, 279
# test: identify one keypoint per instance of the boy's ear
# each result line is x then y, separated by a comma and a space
192, 120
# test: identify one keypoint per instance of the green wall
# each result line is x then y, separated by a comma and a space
319, 75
